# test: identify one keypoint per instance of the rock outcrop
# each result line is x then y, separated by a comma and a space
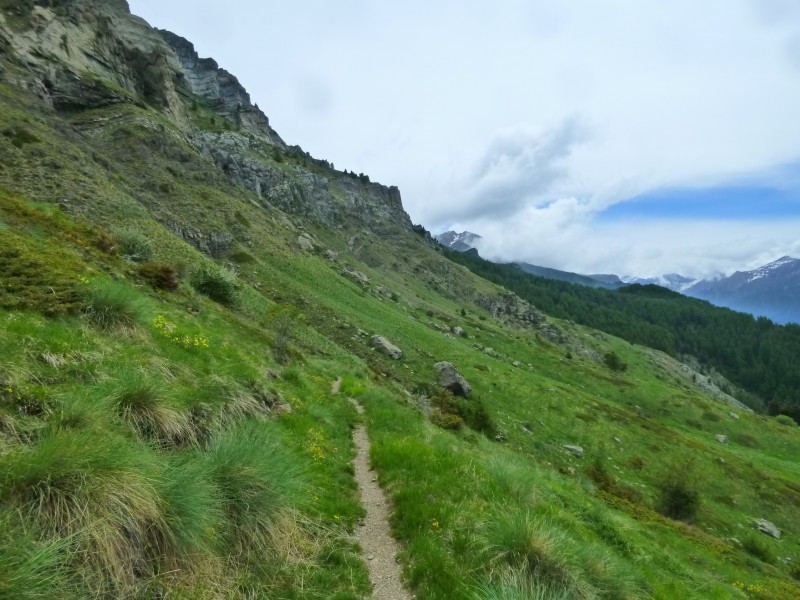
767, 528
223, 92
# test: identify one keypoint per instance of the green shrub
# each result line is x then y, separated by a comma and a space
110, 304
785, 420
159, 275
757, 546
614, 362
450, 412
282, 320
217, 282
679, 495
134, 245
446, 420
474, 413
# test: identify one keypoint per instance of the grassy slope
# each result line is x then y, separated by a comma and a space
143, 430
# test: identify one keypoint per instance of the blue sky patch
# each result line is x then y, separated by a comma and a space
726, 202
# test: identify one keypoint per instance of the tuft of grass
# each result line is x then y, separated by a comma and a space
93, 489
113, 304
30, 568
518, 585
142, 404
518, 540
194, 515
256, 479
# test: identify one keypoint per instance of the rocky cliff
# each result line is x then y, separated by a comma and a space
77, 56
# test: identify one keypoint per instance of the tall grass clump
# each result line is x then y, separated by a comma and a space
30, 568
256, 478
143, 405
217, 282
95, 490
517, 540
112, 304
518, 585
194, 516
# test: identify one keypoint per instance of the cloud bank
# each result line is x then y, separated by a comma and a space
530, 117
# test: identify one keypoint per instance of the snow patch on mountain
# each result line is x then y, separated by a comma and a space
767, 270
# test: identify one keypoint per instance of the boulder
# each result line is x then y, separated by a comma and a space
722, 439
451, 379
767, 528
576, 451
458, 331
381, 344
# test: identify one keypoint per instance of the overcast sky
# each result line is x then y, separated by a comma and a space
626, 136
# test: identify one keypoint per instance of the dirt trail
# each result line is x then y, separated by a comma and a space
380, 549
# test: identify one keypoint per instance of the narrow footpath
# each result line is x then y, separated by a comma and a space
380, 549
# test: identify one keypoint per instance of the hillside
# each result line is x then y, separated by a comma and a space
753, 353
180, 288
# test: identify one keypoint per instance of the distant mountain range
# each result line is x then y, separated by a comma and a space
772, 290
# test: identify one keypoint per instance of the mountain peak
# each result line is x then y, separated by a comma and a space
461, 242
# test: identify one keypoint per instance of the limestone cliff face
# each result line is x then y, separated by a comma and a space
77, 55
228, 97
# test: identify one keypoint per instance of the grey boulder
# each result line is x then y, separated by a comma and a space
451, 379
381, 344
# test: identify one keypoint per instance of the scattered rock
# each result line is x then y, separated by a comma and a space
458, 331
284, 409
516, 363
331, 255
576, 451
734, 415
452, 380
527, 426
722, 439
356, 276
616, 439
305, 243
767, 528
381, 344
500, 437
